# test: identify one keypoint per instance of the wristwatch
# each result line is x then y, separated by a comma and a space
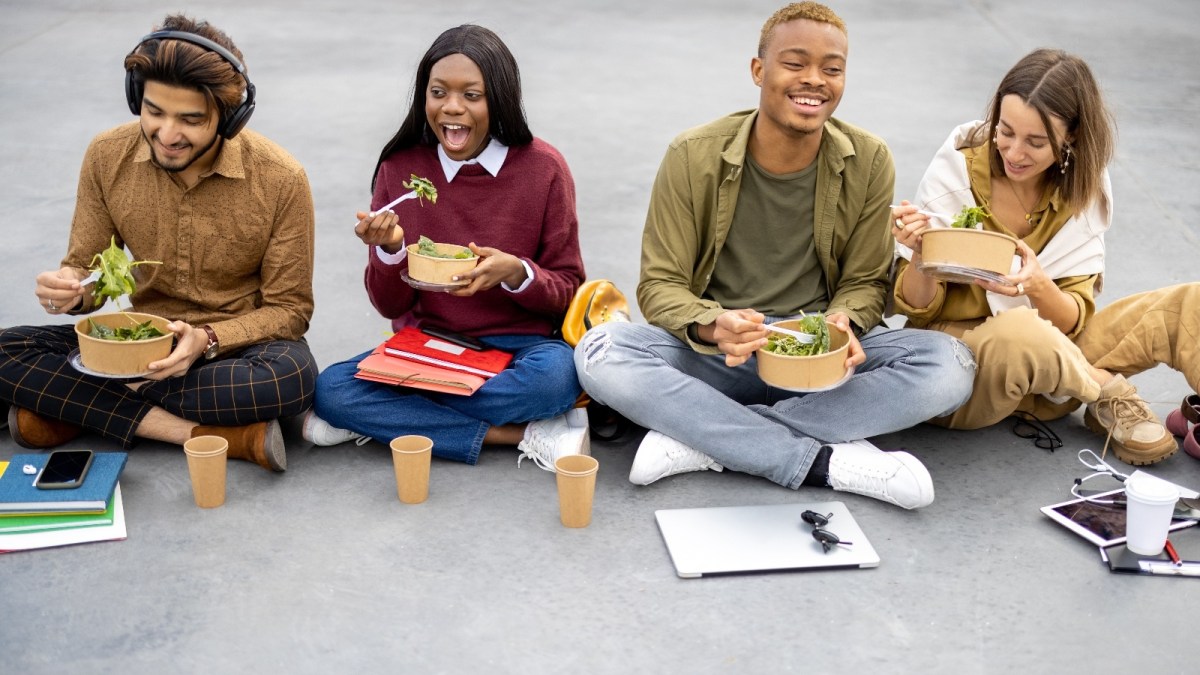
210, 351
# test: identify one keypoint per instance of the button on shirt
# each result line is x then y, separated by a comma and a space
236, 249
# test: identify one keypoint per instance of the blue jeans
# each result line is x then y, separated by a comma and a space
731, 415
539, 384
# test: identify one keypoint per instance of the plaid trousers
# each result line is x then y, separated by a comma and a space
261, 382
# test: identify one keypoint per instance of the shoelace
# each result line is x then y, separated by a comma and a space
688, 455
537, 459
865, 484
1124, 409
538, 439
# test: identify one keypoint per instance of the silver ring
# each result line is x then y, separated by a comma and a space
50, 305
899, 224
1020, 289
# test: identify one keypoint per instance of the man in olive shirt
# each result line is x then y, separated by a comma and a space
759, 216
228, 215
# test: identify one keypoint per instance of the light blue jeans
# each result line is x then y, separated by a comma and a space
729, 414
539, 384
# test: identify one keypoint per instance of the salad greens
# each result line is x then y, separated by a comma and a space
425, 246
139, 331
786, 345
423, 187
116, 273
971, 217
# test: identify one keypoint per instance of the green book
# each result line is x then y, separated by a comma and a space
42, 523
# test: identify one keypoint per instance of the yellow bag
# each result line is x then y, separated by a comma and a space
597, 301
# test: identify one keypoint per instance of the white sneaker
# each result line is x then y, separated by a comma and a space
659, 456
547, 440
894, 477
319, 432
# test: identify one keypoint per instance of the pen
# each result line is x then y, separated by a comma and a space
1173, 554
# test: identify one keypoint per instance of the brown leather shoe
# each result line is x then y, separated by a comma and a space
31, 430
261, 443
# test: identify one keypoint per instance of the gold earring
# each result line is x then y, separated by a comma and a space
1066, 158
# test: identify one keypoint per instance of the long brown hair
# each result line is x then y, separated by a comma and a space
1058, 84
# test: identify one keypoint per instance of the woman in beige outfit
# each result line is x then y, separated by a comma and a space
1038, 167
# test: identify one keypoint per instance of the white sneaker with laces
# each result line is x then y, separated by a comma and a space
894, 477
319, 432
659, 456
547, 440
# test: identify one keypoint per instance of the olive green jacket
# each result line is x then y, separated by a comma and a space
691, 209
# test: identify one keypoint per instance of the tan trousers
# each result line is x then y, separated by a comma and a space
1023, 359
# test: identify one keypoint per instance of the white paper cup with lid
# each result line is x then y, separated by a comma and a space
1150, 502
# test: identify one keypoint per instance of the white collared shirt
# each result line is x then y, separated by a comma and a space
491, 159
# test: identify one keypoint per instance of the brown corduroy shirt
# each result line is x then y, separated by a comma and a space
236, 249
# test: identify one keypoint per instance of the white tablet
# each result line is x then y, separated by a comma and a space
1101, 524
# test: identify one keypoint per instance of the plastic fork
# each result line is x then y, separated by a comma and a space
802, 337
404, 197
932, 214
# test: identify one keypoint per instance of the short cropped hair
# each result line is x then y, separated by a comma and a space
813, 11
183, 64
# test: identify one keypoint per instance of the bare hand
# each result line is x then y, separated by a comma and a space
380, 229
1031, 279
190, 343
738, 333
495, 266
59, 291
855, 353
908, 225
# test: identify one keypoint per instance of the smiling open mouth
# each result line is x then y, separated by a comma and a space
456, 135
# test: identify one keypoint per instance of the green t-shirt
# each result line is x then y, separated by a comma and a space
769, 262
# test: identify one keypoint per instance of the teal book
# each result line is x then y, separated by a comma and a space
18, 494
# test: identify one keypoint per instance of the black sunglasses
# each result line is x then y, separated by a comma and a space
1026, 425
826, 538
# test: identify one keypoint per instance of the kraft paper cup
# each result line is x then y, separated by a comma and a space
206, 458
1150, 502
576, 477
410, 458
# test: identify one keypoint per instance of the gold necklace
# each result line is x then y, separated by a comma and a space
1027, 210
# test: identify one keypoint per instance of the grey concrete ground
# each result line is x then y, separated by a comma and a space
321, 569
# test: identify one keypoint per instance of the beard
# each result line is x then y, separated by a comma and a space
182, 163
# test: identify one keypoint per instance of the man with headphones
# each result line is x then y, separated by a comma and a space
228, 216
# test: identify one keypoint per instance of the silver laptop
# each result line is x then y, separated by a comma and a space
734, 539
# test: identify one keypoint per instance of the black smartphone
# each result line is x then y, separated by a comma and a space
64, 469
454, 338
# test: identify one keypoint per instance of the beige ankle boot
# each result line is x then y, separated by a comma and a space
1134, 431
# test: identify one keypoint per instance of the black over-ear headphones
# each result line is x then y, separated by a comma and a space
232, 121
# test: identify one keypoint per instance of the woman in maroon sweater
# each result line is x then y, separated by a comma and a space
511, 198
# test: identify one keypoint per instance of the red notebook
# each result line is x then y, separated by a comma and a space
379, 367
411, 344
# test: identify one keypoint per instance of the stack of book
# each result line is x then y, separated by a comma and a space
412, 358
32, 518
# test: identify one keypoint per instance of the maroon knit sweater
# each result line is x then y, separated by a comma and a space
528, 211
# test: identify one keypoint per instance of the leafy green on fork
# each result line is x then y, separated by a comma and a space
423, 187
971, 217
116, 273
